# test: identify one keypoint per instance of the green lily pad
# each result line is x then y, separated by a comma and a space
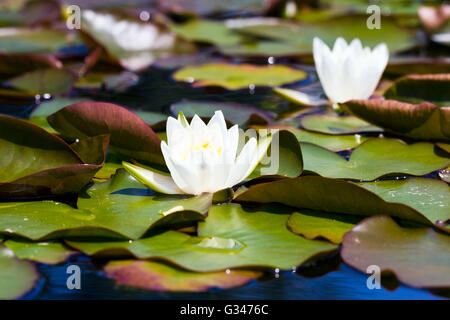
233, 77
330, 142
130, 135
282, 159
17, 277
209, 31
375, 158
43, 252
40, 163
53, 81
316, 225
422, 200
418, 257
155, 276
133, 44
262, 49
119, 208
346, 26
230, 237
236, 113
34, 40
334, 124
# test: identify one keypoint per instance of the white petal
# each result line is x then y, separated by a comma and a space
173, 126
177, 177
155, 181
243, 163
219, 120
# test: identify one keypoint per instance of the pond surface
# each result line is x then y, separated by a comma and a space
156, 91
343, 283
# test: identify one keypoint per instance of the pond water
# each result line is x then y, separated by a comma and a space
156, 92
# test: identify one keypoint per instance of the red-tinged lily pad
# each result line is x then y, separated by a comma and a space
238, 76
412, 65
17, 277
230, 237
416, 106
53, 81
420, 200
37, 162
375, 158
418, 88
43, 252
156, 276
17, 63
121, 208
130, 135
418, 257
424, 121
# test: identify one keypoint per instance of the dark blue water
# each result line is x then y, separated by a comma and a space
344, 283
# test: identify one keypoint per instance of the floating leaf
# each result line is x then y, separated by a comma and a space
53, 81
314, 224
34, 40
39, 115
334, 124
17, 63
282, 159
418, 88
346, 26
43, 252
40, 163
330, 142
421, 200
262, 49
417, 65
162, 277
130, 135
418, 257
233, 77
423, 121
209, 31
17, 277
119, 208
235, 238
426, 121
373, 159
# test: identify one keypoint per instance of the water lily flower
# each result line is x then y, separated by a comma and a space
349, 71
201, 157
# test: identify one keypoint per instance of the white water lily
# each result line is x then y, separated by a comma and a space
201, 157
349, 71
